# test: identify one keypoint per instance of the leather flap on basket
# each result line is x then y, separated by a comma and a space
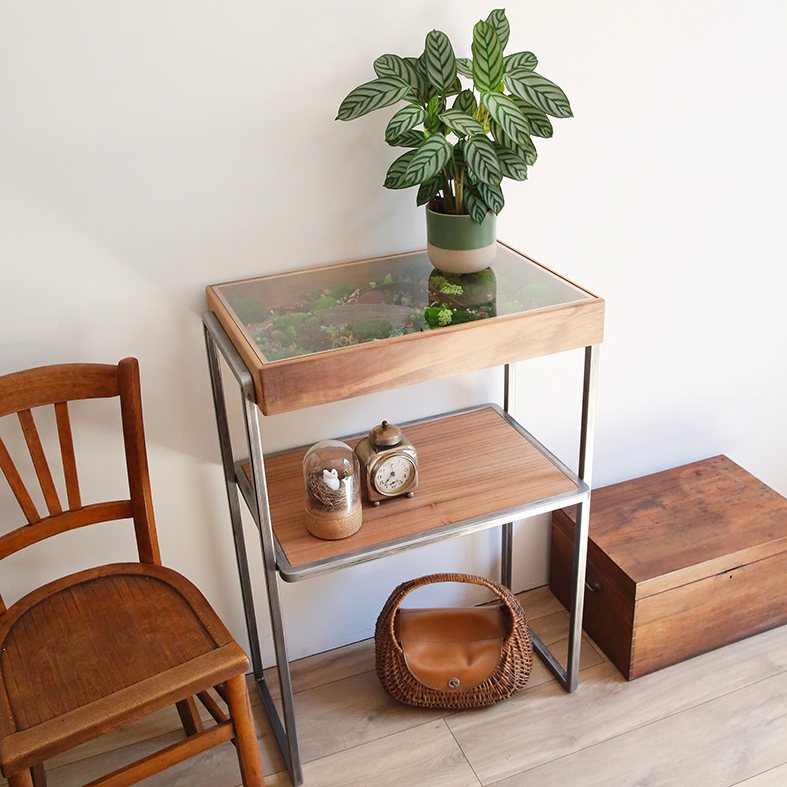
452, 649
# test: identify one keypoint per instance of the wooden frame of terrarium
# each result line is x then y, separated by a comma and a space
345, 372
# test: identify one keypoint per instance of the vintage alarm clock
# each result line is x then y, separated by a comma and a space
389, 463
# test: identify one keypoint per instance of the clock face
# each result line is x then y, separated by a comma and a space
393, 475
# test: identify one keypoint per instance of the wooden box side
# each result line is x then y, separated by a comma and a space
711, 612
609, 593
393, 363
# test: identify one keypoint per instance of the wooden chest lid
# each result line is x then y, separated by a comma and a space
691, 521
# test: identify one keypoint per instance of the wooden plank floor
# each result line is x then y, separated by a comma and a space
719, 719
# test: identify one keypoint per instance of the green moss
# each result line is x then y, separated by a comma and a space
249, 310
341, 291
372, 329
437, 316
325, 303
460, 316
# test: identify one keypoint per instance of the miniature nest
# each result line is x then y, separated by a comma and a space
327, 499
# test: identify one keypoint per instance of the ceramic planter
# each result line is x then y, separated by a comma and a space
458, 244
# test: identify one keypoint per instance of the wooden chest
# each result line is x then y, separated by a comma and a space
679, 562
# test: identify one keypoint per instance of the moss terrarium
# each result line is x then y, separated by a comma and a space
403, 300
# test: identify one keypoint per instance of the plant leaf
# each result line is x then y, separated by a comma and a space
465, 102
539, 91
526, 60
410, 139
432, 122
540, 124
395, 66
493, 196
429, 159
507, 114
455, 89
512, 163
378, 93
460, 123
498, 20
526, 150
440, 61
482, 159
428, 191
422, 85
487, 57
464, 65
396, 178
405, 119
476, 207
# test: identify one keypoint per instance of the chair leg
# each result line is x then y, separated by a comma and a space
21, 779
189, 716
245, 735
39, 775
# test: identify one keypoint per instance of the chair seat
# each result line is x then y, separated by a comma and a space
96, 649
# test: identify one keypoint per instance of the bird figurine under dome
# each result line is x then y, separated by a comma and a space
331, 478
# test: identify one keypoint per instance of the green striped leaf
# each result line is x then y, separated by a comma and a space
512, 164
422, 82
482, 159
429, 159
440, 61
432, 121
405, 119
460, 123
476, 207
428, 191
539, 92
396, 178
455, 88
493, 196
487, 57
498, 20
395, 66
372, 95
465, 102
410, 139
526, 60
526, 150
465, 67
507, 114
540, 124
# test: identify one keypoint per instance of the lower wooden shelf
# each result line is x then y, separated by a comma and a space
477, 469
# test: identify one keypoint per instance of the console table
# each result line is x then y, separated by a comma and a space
309, 337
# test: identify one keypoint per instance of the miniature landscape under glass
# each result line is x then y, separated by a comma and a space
320, 309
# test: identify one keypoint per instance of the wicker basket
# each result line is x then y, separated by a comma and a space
510, 675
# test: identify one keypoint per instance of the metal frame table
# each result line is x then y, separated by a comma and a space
250, 480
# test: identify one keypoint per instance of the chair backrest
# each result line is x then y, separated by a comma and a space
20, 392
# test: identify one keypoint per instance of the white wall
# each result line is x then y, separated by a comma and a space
150, 148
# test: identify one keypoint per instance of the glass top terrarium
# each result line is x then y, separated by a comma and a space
322, 309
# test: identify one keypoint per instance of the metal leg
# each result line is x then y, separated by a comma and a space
241, 556
507, 531
292, 754
286, 735
583, 515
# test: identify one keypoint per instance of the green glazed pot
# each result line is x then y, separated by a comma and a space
458, 244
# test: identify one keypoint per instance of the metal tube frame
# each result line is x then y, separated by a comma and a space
286, 735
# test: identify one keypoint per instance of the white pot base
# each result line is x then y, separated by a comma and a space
462, 261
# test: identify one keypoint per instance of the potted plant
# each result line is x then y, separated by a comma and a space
492, 121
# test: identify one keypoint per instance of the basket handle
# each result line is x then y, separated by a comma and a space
396, 598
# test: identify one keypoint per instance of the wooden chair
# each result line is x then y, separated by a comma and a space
98, 649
